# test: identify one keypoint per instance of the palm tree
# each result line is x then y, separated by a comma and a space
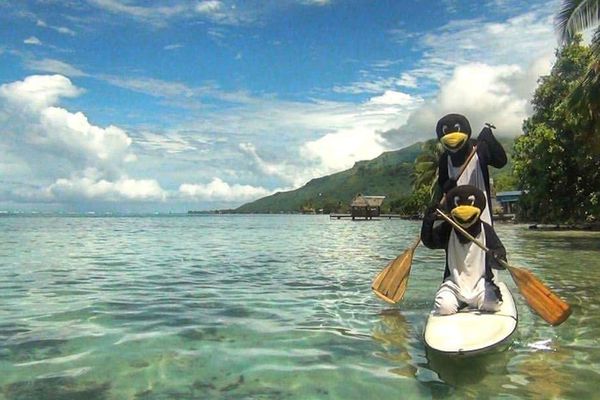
425, 170
574, 17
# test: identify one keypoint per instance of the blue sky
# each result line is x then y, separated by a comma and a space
130, 105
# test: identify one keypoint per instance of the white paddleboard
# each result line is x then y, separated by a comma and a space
472, 331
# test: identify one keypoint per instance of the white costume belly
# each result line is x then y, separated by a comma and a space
472, 175
466, 263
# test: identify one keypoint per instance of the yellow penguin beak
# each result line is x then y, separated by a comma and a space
465, 216
454, 141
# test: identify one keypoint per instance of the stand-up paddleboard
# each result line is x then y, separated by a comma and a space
472, 331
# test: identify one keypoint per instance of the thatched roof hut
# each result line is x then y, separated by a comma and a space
366, 206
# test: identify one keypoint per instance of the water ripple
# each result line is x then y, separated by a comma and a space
266, 307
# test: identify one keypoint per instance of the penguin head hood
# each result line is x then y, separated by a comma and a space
465, 204
453, 131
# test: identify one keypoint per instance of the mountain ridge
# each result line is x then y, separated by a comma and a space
388, 175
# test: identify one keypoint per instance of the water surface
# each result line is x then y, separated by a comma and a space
267, 307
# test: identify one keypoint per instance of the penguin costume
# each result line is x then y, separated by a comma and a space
468, 277
454, 133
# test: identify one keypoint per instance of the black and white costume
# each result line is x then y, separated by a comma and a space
468, 277
488, 151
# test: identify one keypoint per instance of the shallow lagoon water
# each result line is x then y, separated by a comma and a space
267, 307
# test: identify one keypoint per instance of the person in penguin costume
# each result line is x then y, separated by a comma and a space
454, 133
468, 277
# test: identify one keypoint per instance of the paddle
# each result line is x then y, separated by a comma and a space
390, 284
541, 299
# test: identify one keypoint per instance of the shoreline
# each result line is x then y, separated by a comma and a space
587, 227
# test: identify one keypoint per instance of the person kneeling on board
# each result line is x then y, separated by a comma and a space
468, 276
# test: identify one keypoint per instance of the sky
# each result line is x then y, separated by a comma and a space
176, 105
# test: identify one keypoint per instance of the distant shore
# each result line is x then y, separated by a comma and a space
592, 227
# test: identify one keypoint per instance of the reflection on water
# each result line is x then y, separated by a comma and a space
269, 307
396, 336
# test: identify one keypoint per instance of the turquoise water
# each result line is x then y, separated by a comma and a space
266, 307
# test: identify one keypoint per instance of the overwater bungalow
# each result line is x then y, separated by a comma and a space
366, 207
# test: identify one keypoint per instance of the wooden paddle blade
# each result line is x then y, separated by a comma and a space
390, 284
541, 299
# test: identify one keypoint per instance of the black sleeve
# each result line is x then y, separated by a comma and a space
491, 149
434, 236
442, 171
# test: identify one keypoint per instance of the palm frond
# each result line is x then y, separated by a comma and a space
575, 16
585, 95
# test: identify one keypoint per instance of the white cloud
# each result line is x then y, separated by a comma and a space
208, 6
171, 143
32, 40
378, 84
151, 86
407, 80
218, 190
64, 30
265, 167
152, 13
60, 29
53, 66
123, 189
54, 142
315, 2
373, 86
517, 40
292, 174
160, 15
35, 120
174, 46
483, 93
39, 91
390, 97
295, 141
484, 70
85, 144
339, 150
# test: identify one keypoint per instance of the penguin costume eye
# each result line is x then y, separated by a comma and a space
456, 200
471, 198
445, 129
457, 127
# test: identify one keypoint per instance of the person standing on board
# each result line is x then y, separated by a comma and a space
454, 133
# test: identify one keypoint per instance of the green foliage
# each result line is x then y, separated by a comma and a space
425, 173
585, 96
554, 161
504, 179
413, 204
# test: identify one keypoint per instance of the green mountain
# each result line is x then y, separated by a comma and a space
387, 175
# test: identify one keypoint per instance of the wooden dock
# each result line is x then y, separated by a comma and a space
380, 217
